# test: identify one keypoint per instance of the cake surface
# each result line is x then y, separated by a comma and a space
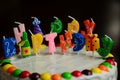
59, 63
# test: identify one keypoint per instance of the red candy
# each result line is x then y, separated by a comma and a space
76, 73
24, 74
111, 62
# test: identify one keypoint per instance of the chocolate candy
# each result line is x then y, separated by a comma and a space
87, 72
34, 76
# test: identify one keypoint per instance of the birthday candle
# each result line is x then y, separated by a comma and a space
37, 40
56, 26
68, 36
107, 46
79, 41
51, 44
89, 25
18, 34
9, 47
26, 50
62, 44
92, 42
36, 24
74, 25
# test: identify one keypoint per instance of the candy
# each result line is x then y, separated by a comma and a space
56, 26
17, 72
51, 44
92, 42
24, 74
112, 62
45, 76
9, 47
96, 70
11, 69
5, 61
5, 67
36, 24
56, 77
76, 73
87, 72
107, 64
18, 34
79, 41
73, 26
104, 68
66, 75
34, 76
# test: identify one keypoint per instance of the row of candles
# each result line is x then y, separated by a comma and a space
85, 38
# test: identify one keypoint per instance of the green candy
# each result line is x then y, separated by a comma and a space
67, 75
56, 26
107, 64
4, 61
16, 73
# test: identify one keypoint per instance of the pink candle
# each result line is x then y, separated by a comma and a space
51, 44
17, 33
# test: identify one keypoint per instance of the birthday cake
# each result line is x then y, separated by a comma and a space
80, 59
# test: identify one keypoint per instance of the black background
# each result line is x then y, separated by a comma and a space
106, 14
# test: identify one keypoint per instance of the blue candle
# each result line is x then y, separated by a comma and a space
79, 41
9, 47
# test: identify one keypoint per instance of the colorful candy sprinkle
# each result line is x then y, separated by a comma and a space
24, 74
87, 72
56, 77
96, 70
17, 72
34, 76
45, 76
67, 75
76, 73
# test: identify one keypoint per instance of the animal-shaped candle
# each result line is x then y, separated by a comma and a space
25, 45
56, 26
9, 47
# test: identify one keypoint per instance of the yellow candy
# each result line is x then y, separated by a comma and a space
110, 55
46, 76
6, 67
37, 40
96, 70
74, 25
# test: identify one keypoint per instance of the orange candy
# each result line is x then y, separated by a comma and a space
104, 68
56, 77
11, 69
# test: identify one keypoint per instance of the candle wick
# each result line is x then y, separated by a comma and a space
17, 22
33, 17
90, 30
65, 30
4, 37
55, 17
73, 31
92, 19
71, 17
108, 37
30, 32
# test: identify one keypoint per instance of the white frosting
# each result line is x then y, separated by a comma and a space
58, 63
